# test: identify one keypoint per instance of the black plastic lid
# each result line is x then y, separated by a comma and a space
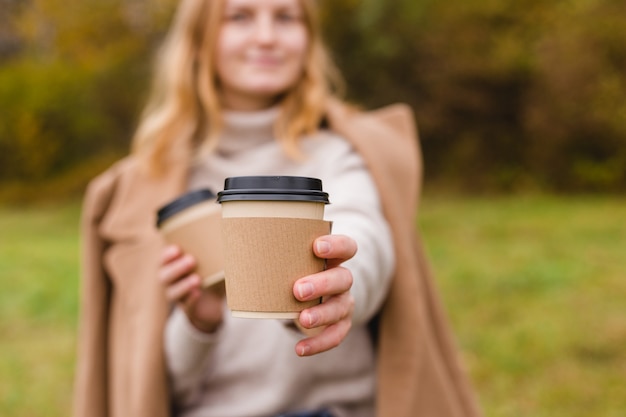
272, 188
183, 202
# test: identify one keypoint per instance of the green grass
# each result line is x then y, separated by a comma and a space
534, 287
536, 292
38, 306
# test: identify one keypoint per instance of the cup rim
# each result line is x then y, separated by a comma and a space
273, 188
182, 203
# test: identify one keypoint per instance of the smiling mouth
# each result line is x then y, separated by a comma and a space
265, 61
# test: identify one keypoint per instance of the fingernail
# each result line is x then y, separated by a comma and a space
312, 318
305, 290
304, 350
322, 247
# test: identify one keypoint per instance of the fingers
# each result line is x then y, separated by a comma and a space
334, 315
335, 312
181, 289
175, 264
330, 282
331, 311
169, 253
330, 338
333, 318
176, 273
335, 248
202, 307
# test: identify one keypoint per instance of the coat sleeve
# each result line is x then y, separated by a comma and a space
90, 385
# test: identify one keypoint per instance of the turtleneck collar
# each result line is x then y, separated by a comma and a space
243, 130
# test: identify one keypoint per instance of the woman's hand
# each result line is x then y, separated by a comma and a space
182, 285
334, 315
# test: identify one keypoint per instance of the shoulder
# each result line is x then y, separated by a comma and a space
387, 139
387, 135
326, 142
397, 119
389, 131
329, 152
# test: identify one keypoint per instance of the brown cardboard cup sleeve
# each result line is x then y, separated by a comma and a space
264, 257
201, 238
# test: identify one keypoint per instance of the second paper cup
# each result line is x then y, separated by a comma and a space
193, 222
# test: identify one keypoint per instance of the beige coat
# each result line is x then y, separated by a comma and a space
120, 366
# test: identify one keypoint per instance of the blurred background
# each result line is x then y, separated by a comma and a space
521, 107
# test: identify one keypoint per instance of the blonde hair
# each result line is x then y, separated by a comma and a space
183, 112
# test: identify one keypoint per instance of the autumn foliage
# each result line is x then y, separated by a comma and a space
508, 96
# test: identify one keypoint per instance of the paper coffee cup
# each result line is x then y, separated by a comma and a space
268, 228
193, 222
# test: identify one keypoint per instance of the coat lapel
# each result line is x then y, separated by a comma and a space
138, 196
132, 249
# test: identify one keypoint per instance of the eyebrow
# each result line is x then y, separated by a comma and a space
249, 4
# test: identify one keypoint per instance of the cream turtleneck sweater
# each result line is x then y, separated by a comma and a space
249, 366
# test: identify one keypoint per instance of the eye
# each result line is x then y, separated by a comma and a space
238, 16
288, 17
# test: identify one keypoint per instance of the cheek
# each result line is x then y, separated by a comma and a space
229, 43
298, 46
224, 56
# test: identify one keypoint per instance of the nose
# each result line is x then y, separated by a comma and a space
265, 30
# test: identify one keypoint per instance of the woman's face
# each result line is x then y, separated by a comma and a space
261, 50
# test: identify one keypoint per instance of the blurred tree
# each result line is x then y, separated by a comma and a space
72, 93
576, 109
463, 67
508, 95
501, 89
9, 41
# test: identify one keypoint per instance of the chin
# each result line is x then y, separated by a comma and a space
271, 83
268, 90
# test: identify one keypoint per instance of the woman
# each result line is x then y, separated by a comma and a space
244, 87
